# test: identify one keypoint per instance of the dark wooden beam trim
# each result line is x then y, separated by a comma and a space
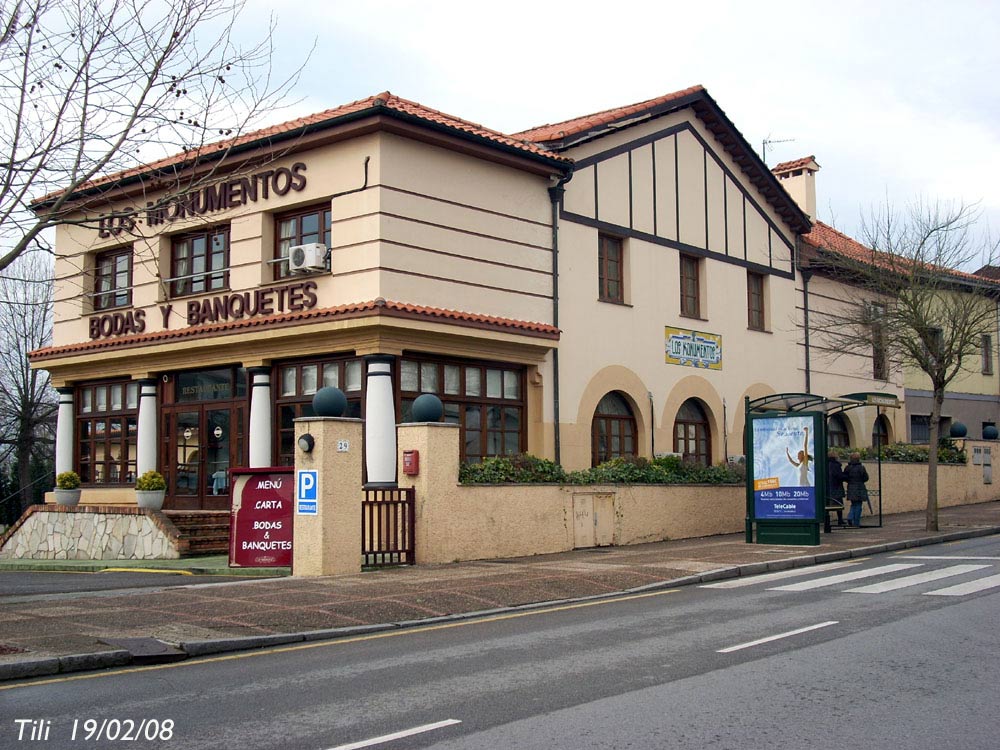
604, 226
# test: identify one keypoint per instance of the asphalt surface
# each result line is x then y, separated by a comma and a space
71, 631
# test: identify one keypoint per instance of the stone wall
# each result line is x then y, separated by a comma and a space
55, 532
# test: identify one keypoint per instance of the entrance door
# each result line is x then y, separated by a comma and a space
201, 442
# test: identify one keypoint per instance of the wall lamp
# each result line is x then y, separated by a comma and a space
306, 443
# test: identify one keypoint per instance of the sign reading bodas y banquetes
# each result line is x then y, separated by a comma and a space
260, 517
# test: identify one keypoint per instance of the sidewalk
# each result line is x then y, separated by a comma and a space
68, 632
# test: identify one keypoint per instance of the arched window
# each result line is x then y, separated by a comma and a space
692, 437
880, 432
836, 432
612, 433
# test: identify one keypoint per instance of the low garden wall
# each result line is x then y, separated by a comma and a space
58, 532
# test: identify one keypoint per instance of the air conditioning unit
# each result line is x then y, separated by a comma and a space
305, 258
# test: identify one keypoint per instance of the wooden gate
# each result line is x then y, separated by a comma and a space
387, 519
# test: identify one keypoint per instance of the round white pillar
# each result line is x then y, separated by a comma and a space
260, 417
145, 441
380, 422
64, 431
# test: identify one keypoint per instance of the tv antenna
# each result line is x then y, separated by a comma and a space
767, 142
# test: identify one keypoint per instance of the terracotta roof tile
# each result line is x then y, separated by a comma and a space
788, 166
360, 309
385, 101
826, 238
556, 131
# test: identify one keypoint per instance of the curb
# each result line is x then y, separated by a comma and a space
120, 658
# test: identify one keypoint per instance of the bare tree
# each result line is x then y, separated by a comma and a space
913, 305
27, 401
94, 87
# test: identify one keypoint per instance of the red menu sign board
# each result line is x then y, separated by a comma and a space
260, 518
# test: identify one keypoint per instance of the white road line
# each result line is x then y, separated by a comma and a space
397, 735
853, 576
947, 557
775, 637
735, 583
915, 580
971, 587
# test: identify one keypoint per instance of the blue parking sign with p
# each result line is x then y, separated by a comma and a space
307, 492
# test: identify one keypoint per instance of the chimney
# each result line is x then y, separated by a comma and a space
799, 179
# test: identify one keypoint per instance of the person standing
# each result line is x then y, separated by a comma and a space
856, 475
835, 484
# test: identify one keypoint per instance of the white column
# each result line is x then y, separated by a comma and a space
64, 431
260, 417
145, 441
380, 422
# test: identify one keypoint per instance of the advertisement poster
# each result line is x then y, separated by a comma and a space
260, 522
784, 472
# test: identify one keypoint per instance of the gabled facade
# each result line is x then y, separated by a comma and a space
608, 286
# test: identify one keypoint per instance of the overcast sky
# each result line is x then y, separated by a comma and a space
897, 99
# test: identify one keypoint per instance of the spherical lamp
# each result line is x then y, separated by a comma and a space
958, 430
990, 432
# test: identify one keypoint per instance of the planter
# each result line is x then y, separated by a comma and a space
151, 499
67, 497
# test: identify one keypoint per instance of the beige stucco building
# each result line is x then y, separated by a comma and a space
616, 284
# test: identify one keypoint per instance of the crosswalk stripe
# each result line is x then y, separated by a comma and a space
734, 583
843, 577
916, 579
971, 587
948, 557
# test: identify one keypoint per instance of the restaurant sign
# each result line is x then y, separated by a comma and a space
260, 517
692, 348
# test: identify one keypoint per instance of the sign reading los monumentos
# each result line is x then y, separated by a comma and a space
692, 348
221, 196
260, 518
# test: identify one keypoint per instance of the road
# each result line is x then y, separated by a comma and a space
895, 651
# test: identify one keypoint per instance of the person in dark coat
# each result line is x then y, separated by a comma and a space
835, 484
856, 475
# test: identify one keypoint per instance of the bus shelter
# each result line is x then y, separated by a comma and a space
786, 448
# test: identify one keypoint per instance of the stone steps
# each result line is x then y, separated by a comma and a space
206, 531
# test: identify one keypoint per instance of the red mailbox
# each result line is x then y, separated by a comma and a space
411, 463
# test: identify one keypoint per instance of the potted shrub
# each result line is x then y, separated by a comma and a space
150, 490
68, 488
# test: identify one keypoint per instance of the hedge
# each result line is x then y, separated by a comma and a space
528, 469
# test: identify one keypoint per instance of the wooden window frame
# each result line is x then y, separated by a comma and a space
703, 432
104, 471
624, 424
756, 318
986, 344
211, 279
690, 286
114, 295
324, 213
610, 254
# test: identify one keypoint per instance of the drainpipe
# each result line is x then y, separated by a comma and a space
555, 196
805, 323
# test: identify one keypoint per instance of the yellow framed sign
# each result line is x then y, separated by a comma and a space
689, 348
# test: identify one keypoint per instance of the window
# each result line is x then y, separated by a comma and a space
880, 432
880, 359
199, 262
987, 347
920, 428
295, 384
486, 400
113, 279
613, 430
610, 261
107, 426
836, 432
300, 228
692, 438
690, 296
755, 301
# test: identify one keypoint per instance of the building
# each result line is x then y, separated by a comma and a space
613, 285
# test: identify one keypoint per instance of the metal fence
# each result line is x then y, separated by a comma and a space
387, 519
